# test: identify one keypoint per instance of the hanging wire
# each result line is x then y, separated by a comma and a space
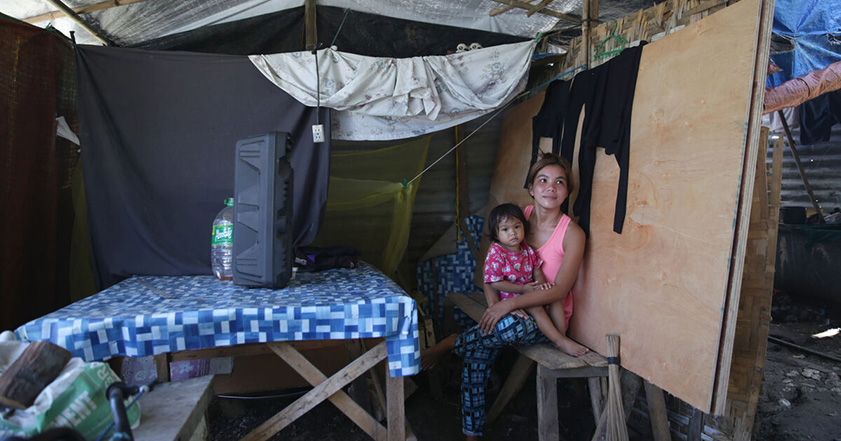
347, 10
571, 71
469, 135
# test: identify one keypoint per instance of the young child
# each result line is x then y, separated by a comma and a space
512, 267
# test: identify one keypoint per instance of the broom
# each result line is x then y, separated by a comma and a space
616, 428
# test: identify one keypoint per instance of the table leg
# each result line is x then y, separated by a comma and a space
322, 391
396, 411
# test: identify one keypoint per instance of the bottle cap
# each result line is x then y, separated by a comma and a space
229, 202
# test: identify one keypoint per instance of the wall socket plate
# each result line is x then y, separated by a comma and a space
318, 133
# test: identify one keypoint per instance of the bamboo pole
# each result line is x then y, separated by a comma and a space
309, 25
75, 17
797, 162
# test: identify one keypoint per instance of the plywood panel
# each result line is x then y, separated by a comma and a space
662, 284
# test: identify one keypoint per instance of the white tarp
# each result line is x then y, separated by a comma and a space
392, 98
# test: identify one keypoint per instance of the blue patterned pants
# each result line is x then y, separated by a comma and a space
479, 352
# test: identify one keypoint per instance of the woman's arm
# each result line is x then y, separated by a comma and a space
506, 286
574, 241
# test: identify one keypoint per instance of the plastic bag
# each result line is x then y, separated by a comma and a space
76, 399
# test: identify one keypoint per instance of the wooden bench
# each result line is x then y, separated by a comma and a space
551, 365
175, 411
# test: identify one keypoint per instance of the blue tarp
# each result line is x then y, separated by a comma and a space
814, 28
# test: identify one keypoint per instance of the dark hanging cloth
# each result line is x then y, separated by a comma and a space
606, 94
817, 116
159, 132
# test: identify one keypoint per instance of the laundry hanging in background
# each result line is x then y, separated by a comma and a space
606, 94
375, 98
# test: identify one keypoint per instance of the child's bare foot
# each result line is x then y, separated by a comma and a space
571, 347
432, 356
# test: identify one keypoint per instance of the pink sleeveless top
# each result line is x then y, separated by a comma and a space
552, 253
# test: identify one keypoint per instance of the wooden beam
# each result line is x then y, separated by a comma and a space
80, 10
529, 7
539, 7
75, 17
309, 25
340, 399
318, 394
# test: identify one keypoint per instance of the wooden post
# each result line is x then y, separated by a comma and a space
309, 25
657, 412
462, 189
396, 407
585, 32
547, 405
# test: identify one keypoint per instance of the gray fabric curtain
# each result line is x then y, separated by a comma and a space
159, 131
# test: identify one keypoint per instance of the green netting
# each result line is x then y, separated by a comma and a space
368, 206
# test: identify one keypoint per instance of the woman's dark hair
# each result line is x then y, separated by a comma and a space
499, 214
547, 159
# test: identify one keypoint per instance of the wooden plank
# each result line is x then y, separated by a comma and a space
544, 353
529, 7
173, 411
396, 408
340, 399
547, 405
250, 349
36, 367
80, 10
662, 283
317, 394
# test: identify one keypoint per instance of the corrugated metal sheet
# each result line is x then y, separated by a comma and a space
822, 166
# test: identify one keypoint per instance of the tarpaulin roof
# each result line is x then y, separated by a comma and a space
138, 21
813, 27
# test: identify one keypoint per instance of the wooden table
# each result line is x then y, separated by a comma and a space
153, 315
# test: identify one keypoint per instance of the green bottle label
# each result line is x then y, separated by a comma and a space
223, 235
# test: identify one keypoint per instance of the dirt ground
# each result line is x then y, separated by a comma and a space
801, 397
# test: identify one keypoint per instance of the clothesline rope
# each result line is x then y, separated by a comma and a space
573, 70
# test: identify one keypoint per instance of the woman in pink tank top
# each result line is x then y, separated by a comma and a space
560, 243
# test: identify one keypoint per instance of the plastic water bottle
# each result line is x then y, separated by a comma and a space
222, 242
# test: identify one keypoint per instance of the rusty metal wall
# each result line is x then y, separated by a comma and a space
822, 166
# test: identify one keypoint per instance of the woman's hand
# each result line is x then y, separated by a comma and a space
492, 316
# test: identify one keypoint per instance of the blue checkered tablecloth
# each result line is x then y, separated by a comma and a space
147, 315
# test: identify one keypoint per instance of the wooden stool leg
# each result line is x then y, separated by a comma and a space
547, 405
515, 381
657, 412
596, 400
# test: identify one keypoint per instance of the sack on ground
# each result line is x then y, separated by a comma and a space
76, 398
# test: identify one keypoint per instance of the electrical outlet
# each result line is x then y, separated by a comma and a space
318, 133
